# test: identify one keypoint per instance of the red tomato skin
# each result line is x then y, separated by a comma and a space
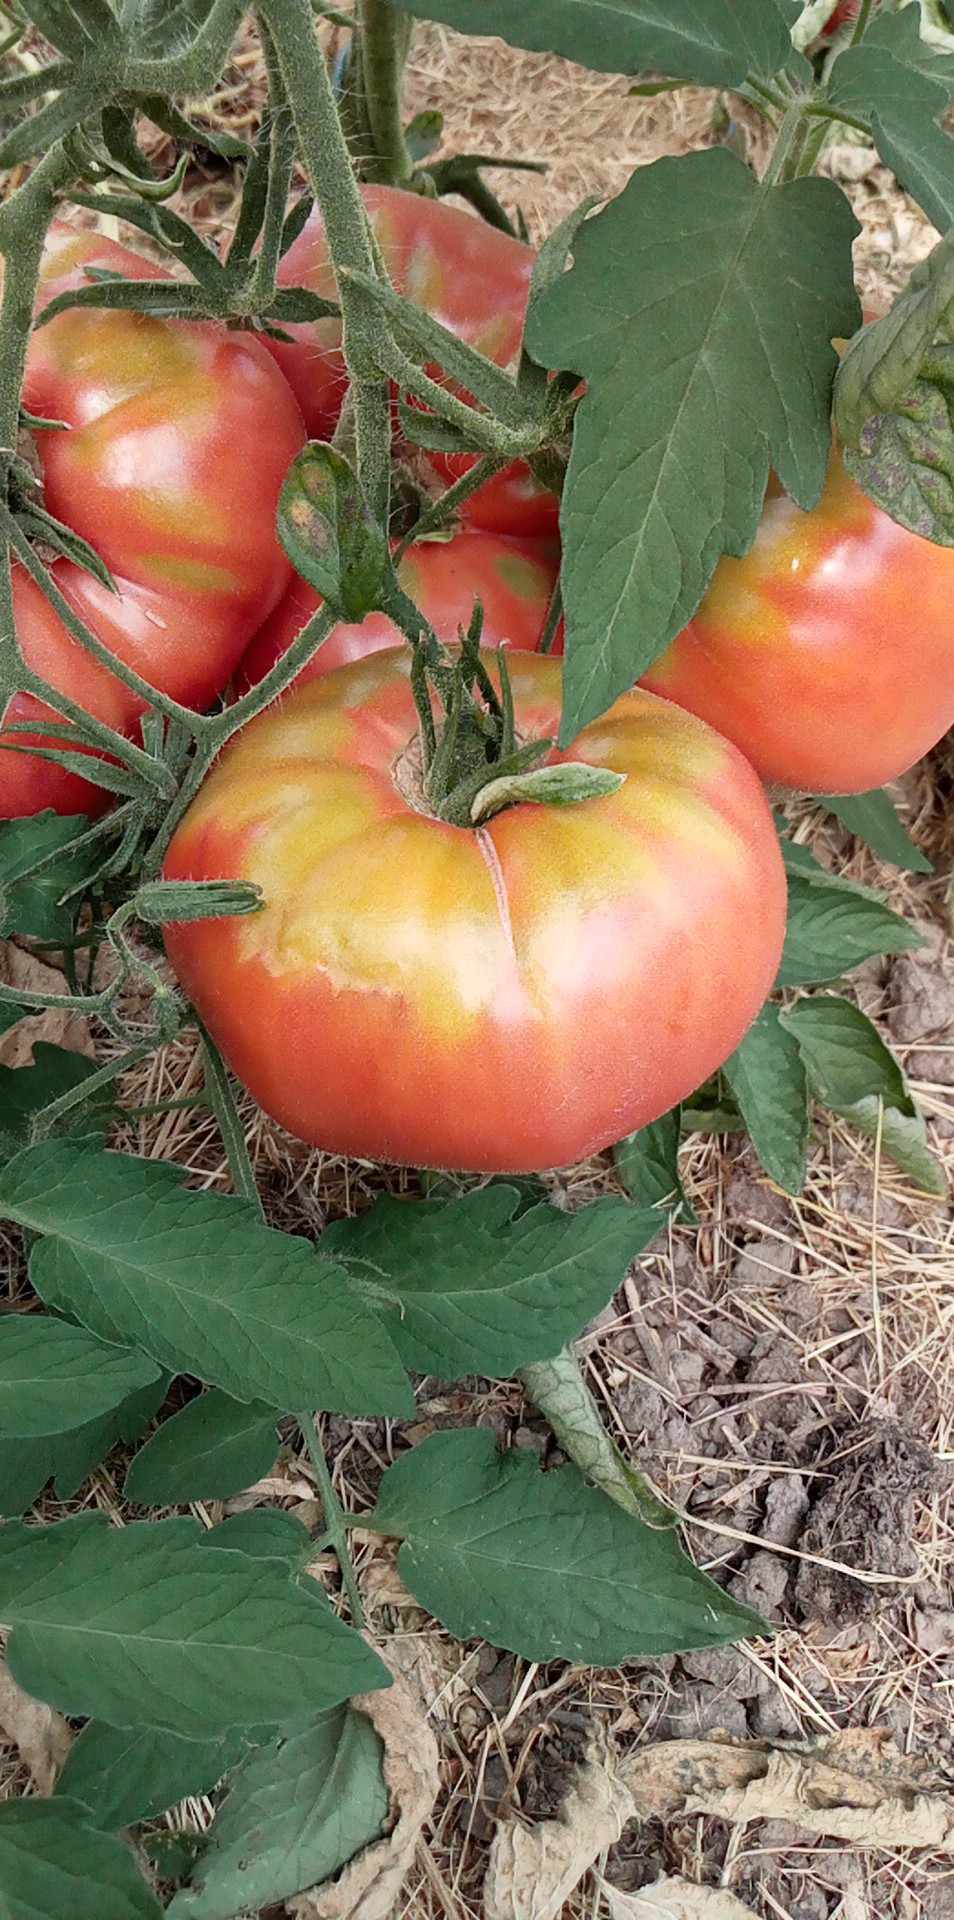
512, 578
474, 280
179, 438
826, 653
501, 1000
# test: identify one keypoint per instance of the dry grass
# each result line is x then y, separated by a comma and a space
789, 1358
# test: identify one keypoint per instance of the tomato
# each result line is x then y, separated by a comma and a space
475, 280
513, 579
827, 653
503, 999
179, 437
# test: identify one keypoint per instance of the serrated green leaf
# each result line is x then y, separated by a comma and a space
871, 817
900, 88
50, 1371
833, 926
851, 1071
768, 1080
196, 1281
543, 1564
214, 1447
667, 471
53, 1864
125, 1774
24, 1091
145, 1626
329, 533
706, 40
265, 1533
296, 1811
467, 1287
28, 900
648, 1165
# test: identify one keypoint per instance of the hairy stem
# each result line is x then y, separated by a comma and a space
385, 42
335, 1518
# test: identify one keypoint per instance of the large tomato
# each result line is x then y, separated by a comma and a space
475, 280
513, 579
508, 998
179, 436
827, 653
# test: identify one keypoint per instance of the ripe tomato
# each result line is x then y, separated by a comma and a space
507, 998
475, 280
512, 578
826, 654
153, 474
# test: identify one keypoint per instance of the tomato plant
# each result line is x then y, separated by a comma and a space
473, 279
512, 579
480, 999
448, 903
152, 411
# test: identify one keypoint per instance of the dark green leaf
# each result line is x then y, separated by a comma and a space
871, 817
25, 1091
893, 82
265, 1533
55, 1866
196, 1281
68, 1458
214, 1447
423, 134
648, 1165
125, 1774
705, 40
143, 1625
51, 1371
9, 1017
468, 1288
768, 1080
667, 471
329, 532
852, 1071
833, 926
543, 1564
28, 901
296, 1811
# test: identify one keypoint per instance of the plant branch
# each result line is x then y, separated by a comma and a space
335, 1518
385, 42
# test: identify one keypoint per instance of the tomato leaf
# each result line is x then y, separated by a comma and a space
125, 1774
668, 471
900, 87
833, 925
78, 30
648, 1165
466, 1287
68, 1458
709, 42
213, 1448
195, 1281
29, 892
543, 1564
768, 1080
871, 817
851, 1071
53, 1862
50, 1371
296, 1810
25, 1091
265, 1533
145, 1626
329, 532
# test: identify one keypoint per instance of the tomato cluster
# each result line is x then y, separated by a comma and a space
510, 996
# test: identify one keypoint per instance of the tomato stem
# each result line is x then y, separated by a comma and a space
385, 39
